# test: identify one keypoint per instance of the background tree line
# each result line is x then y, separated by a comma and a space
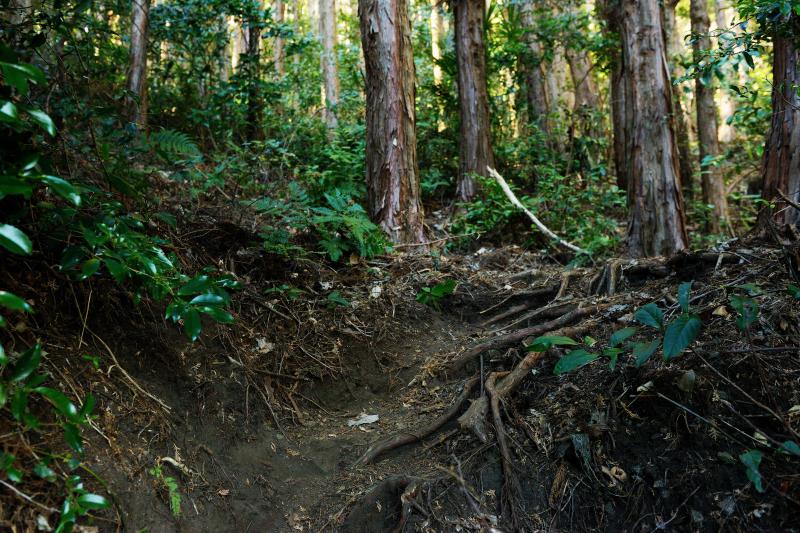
580, 104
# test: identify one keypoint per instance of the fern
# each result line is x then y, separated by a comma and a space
171, 144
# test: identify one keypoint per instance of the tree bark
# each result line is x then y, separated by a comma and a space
437, 32
279, 53
656, 218
781, 166
727, 107
711, 176
475, 139
580, 69
619, 93
137, 70
391, 153
674, 45
253, 65
534, 71
330, 74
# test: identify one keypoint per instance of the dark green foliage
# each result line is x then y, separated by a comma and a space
432, 296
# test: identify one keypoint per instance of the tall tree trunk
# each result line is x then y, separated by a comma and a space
612, 12
656, 219
580, 69
674, 45
437, 32
711, 176
253, 69
279, 53
532, 72
727, 107
137, 70
475, 140
781, 167
391, 152
330, 74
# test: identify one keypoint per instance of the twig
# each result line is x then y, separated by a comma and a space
544, 229
509, 339
768, 409
25, 497
402, 439
130, 379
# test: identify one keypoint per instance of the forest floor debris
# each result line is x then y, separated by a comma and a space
466, 429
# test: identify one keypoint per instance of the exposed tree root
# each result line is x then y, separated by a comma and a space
509, 339
402, 439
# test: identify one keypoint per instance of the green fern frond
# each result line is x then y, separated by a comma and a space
171, 143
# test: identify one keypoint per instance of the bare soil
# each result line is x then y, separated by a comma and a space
257, 433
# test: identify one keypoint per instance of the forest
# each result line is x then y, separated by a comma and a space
399, 265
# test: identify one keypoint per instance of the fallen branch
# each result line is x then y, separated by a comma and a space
402, 439
509, 339
544, 229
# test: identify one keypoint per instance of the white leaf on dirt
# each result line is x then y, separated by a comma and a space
326, 285
42, 524
376, 291
794, 410
481, 251
720, 311
646, 387
264, 346
363, 419
223, 492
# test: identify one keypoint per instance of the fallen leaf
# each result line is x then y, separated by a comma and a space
363, 419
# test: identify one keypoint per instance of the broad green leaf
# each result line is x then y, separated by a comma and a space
679, 334
218, 314
72, 435
14, 302
191, 324
643, 350
650, 315
208, 299
747, 311
92, 501
573, 360
749, 59
60, 401
3, 394
794, 290
544, 343
3, 357
88, 406
195, 285
751, 459
118, 271
683, 295
44, 471
621, 335
43, 120
791, 447
63, 188
8, 112
613, 355
13, 185
89, 268
13, 240
26, 364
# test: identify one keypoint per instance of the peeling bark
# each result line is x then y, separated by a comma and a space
656, 218
392, 172
711, 175
137, 70
475, 140
781, 166
330, 71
